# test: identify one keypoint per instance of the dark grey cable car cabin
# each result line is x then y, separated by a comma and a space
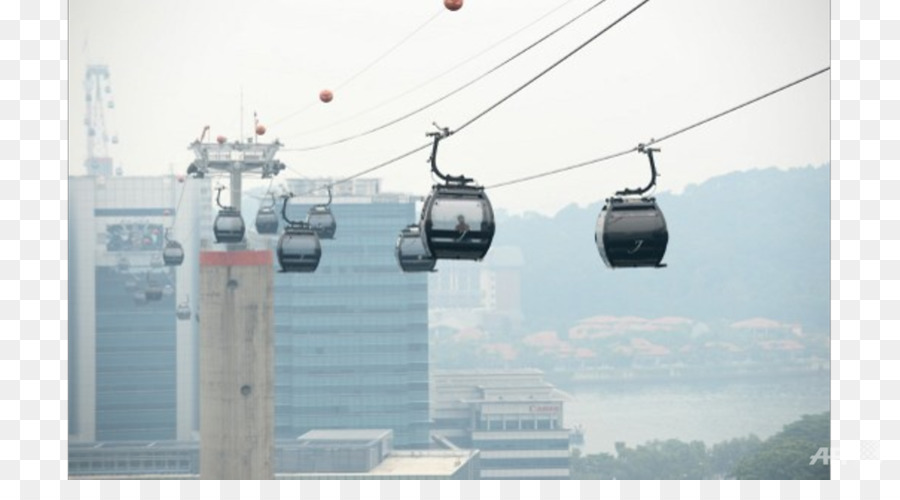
631, 233
458, 222
457, 219
321, 220
299, 250
173, 253
183, 311
411, 252
229, 225
153, 291
267, 219
631, 230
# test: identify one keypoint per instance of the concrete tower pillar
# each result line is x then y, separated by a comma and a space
237, 404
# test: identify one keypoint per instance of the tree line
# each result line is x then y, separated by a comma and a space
799, 451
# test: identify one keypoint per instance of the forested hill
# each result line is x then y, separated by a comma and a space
743, 245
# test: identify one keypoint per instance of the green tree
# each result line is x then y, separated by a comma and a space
789, 454
724, 456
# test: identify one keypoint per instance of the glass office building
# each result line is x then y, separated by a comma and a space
351, 345
131, 361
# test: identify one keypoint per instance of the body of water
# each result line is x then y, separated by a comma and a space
709, 412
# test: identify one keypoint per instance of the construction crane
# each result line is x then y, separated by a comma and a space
98, 121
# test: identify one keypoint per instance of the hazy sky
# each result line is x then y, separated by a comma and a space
177, 66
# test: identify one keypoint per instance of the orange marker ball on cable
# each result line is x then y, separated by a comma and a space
326, 96
260, 129
221, 139
453, 5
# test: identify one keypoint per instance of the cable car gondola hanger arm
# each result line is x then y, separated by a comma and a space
219, 196
643, 148
290, 223
448, 179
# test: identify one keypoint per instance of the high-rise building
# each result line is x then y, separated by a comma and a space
484, 295
351, 345
132, 362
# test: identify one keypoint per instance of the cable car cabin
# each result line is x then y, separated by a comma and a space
299, 250
183, 312
321, 220
458, 222
412, 254
229, 226
173, 254
631, 232
266, 221
153, 291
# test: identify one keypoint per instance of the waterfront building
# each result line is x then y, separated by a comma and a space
513, 417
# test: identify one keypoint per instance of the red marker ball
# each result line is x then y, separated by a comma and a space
453, 5
260, 129
326, 96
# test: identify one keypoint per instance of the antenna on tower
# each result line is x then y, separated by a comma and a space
98, 121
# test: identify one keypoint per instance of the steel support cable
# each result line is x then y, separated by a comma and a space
397, 45
444, 73
178, 205
494, 106
549, 68
663, 138
458, 89
369, 66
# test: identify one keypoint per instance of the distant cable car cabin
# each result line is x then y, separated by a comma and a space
457, 219
299, 250
321, 220
267, 219
153, 291
631, 230
229, 225
412, 254
173, 253
183, 310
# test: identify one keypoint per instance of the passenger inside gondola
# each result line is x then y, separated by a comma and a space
461, 225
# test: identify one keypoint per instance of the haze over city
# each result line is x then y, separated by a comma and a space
528, 353
177, 67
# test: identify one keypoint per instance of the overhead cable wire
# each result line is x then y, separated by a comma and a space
397, 45
494, 106
663, 138
549, 68
178, 205
444, 73
368, 66
461, 88
380, 165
